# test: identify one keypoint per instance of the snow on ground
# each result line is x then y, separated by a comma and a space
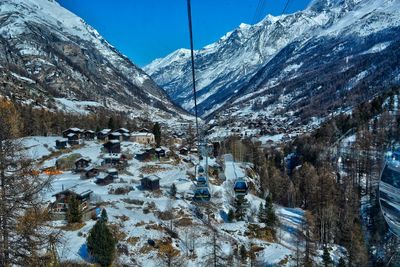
75, 106
139, 214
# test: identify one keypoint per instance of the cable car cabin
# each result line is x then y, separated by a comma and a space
202, 194
240, 187
200, 170
201, 181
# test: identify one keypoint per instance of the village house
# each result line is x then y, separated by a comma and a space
76, 131
118, 160
104, 179
112, 146
89, 135
81, 164
103, 134
143, 138
151, 183
73, 139
90, 172
160, 152
113, 172
62, 199
143, 156
115, 136
122, 131
61, 143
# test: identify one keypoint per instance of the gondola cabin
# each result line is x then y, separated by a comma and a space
201, 181
202, 194
240, 187
151, 183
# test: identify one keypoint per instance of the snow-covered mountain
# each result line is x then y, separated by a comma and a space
50, 54
332, 49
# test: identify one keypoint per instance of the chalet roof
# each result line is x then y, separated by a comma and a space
102, 176
74, 191
89, 131
62, 140
152, 178
74, 129
112, 142
112, 156
141, 134
123, 130
83, 158
71, 134
116, 134
105, 131
89, 168
126, 134
112, 170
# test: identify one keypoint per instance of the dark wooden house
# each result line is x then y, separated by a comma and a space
122, 131
113, 172
112, 146
89, 135
143, 156
117, 160
115, 136
73, 139
90, 172
126, 137
160, 152
61, 143
76, 131
104, 179
151, 183
81, 164
183, 151
63, 198
103, 134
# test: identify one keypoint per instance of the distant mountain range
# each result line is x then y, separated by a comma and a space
326, 58
51, 57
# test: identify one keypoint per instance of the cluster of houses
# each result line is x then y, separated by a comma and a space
76, 136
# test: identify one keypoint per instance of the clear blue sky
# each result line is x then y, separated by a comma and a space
145, 30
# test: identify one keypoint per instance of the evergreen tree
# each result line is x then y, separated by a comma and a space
271, 218
172, 191
104, 216
342, 262
326, 257
101, 244
111, 123
74, 212
243, 254
231, 215
157, 133
262, 214
240, 205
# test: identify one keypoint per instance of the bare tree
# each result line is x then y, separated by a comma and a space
22, 233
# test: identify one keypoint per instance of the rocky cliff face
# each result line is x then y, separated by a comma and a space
334, 53
49, 54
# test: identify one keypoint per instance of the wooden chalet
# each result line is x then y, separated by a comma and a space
115, 136
103, 134
81, 164
151, 183
76, 131
112, 146
73, 139
118, 160
104, 179
113, 172
63, 198
122, 131
89, 135
90, 172
143, 156
61, 143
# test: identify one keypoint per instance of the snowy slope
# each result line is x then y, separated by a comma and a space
51, 52
230, 67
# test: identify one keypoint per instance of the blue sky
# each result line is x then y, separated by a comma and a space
148, 29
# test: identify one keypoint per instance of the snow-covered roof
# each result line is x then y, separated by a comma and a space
112, 170
71, 134
113, 141
62, 140
102, 175
112, 156
83, 158
74, 129
123, 130
152, 178
89, 131
141, 134
105, 131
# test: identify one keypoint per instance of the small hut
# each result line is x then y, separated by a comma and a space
151, 183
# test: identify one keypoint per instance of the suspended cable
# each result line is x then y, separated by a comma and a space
256, 14
286, 6
189, 8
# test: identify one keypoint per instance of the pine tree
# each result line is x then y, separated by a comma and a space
271, 218
157, 133
326, 257
342, 262
262, 214
240, 205
172, 191
104, 216
231, 215
111, 123
101, 244
243, 254
74, 212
